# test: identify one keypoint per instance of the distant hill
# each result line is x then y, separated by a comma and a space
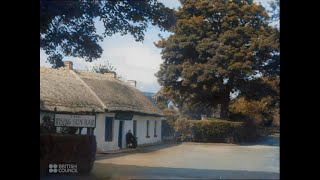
150, 96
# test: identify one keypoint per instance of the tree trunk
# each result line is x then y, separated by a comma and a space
221, 107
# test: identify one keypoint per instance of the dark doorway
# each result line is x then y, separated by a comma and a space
120, 134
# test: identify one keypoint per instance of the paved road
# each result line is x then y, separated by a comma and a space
191, 161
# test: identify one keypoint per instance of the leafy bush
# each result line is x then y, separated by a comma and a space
264, 112
47, 125
215, 130
184, 128
68, 130
249, 131
167, 129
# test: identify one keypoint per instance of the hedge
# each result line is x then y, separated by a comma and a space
215, 130
64, 149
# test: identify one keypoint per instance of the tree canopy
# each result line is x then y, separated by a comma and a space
67, 28
217, 48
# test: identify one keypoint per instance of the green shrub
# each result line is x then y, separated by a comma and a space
250, 131
217, 131
47, 125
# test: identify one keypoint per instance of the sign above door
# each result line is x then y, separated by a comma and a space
70, 120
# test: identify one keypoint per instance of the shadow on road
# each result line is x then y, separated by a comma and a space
146, 149
113, 171
273, 140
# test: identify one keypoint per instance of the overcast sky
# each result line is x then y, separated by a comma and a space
133, 60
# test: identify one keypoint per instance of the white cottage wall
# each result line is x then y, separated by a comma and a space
142, 129
99, 132
128, 125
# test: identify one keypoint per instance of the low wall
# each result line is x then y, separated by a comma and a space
64, 149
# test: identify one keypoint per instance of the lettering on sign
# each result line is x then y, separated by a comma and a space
67, 120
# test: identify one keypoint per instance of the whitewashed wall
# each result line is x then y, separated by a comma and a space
142, 129
128, 125
99, 132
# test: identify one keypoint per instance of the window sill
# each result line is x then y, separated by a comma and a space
155, 136
147, 136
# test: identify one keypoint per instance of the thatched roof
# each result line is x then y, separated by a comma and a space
117, 95
60, 89
73, 89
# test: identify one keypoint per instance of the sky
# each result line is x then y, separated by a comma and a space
133, 60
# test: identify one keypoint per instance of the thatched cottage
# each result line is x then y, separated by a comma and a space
116, 105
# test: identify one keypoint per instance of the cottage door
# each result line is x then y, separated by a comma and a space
120, 135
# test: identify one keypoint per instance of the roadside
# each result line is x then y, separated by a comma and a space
193, 160
188, 160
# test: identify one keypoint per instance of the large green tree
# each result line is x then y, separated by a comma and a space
259, 102
217, 48
67, 28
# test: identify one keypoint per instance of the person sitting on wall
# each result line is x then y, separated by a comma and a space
131, 140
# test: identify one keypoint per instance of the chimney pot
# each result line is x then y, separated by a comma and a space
68, 65
111, 74
132, 83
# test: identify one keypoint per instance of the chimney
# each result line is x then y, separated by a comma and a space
132, 83
111, 74
68, 65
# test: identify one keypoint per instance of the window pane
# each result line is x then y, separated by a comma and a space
135, 127
108, 129
147, 127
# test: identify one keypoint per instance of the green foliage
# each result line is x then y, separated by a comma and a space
171, 115
217, 48
260, 103
195, 110
214, 130
184, 128
256, 110
167, 129
217, 130
47, 125
249, 131
69, 130
162, 99
67, 28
